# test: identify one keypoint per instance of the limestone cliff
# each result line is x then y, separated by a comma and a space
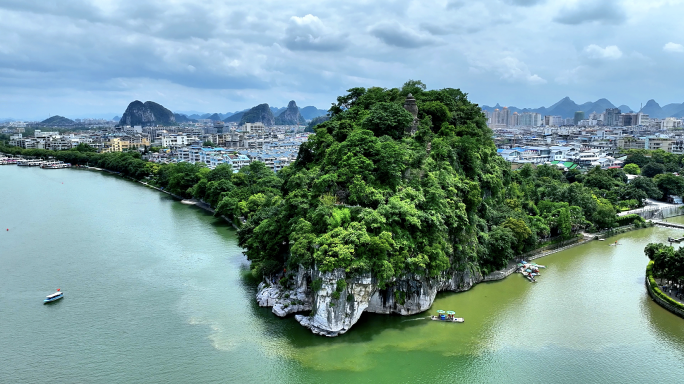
290, 116
146, 114
335, 307
260, 114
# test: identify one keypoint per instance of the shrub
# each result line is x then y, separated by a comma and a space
341, 285
629, 219
350, 297
400, 297
316, 285
336, 295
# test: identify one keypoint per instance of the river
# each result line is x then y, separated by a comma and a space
159, 292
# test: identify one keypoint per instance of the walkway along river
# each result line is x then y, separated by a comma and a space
157, 292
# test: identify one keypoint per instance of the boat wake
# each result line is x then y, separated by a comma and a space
420, 318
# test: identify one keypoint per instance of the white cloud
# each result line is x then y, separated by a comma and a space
509, 69
395, 34
308, 33
673, 47
611, 52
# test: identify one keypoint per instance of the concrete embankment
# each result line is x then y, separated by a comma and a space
513, 265
660, 297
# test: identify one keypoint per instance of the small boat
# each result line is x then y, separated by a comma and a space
54, 297
449, 317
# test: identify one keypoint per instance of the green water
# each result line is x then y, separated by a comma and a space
157, 292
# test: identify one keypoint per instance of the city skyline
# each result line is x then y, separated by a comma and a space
91, 58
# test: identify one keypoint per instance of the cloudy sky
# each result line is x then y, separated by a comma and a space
88, 58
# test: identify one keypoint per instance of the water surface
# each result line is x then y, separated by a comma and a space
157, 292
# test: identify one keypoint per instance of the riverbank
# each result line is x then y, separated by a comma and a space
195, 202
513, 265
660, 297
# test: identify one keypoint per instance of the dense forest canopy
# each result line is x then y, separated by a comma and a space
375, 190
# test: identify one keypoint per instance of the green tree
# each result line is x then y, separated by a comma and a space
632, 169
652, 169
564, 224
648, 186
520, 230
670, 184
83, 147
388, 119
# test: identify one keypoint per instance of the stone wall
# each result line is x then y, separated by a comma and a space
662, 302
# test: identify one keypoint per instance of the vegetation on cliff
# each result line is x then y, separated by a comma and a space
375, 190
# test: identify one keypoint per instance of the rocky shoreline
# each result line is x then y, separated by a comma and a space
334, 307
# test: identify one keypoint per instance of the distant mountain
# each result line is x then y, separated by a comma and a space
146, 114
290, 116
235, 118
277, 111
310, 113
56, 121
180, 118
673, 110
626, 109
116, 118
261, 113
565, 108
215, 117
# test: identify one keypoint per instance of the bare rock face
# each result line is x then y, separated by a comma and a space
335, 309
339, 303
290, 116
146, 114
285, 301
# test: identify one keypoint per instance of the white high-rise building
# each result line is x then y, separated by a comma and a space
530, 119
553, 121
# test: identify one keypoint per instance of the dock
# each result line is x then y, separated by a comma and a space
666, 224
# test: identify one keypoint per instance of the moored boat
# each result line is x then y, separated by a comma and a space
54, 297
55, 165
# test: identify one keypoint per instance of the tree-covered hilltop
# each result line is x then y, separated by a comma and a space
57, 121
379, 190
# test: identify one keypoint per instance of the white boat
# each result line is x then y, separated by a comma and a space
448, 319
54, 297
55, 165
